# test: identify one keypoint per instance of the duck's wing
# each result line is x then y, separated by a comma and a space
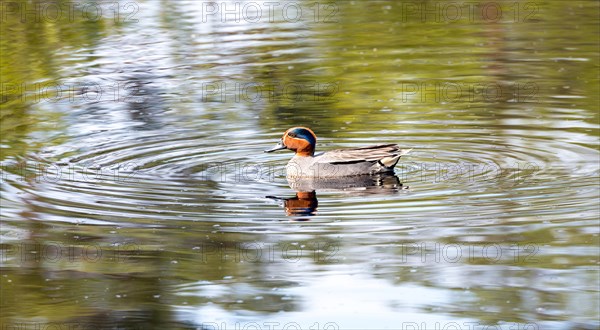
363, 154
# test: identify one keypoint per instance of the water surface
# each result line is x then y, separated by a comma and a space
135, 193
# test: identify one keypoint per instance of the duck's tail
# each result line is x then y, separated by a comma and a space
390, 162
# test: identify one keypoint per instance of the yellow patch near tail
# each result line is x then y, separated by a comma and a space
392, 161
389, 161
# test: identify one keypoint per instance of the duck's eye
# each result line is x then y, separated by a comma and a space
292, 134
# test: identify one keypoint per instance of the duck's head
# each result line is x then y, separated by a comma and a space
301, 140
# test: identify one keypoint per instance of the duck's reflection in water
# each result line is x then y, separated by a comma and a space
305, 202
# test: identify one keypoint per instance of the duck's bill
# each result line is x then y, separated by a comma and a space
279, 146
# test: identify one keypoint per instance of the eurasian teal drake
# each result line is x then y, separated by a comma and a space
335, 163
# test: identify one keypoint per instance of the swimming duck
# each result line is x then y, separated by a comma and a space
335, 163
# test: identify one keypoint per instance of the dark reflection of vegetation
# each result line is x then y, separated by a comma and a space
136, 279
34, 47
497, 55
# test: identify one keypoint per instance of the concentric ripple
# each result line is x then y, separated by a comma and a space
131, 177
